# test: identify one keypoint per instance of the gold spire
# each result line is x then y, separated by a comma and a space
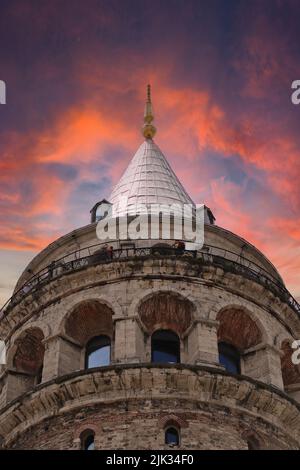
148, 129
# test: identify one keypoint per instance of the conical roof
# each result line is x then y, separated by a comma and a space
149, 179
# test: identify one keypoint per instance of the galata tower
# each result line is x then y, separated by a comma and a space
150, 342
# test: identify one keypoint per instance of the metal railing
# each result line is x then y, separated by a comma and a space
96, 254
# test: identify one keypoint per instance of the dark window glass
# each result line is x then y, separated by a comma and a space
253, 444
172, 437
97, 352
229, 357
39, 375
165, 347
89, 442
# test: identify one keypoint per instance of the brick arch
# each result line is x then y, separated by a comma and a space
166, 310
172, 420
87, 425
87, 319
257, 314
290, 371
29, 351
84, 429
236, 327
43, 326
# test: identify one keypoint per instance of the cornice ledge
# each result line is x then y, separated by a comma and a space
132, 381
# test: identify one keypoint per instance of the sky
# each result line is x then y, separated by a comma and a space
221, 74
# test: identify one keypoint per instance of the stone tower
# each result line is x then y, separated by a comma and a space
140, 345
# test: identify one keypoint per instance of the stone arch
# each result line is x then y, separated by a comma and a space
166, 310
68, 305
87, 319
145, 294
174, 423
290, 371
237, 327
241, 346
40, 325
26, 361
242, 305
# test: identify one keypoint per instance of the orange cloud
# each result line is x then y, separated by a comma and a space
79, 137
190, 123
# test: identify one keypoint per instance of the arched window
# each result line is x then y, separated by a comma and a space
97, 352
253, 443
88, 321
172, 436
87, 440
229, 357
165, 347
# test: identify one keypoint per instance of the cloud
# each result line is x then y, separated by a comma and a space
38, 172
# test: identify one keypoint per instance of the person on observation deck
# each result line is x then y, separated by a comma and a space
179, 246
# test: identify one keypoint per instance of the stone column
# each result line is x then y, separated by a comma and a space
17, 383
62, 356
203, 343
129, 341
262, 362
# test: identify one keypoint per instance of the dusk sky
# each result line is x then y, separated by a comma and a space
221, 73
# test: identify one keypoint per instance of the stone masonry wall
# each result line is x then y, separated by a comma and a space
140, 427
